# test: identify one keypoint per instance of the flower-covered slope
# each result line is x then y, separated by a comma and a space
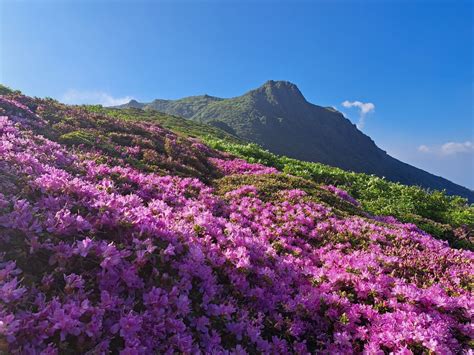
143, 145
102, 254
449, 218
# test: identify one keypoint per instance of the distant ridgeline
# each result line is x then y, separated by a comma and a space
278, 117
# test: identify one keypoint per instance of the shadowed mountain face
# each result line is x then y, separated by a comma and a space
278, 117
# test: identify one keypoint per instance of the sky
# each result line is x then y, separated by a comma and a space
401, 70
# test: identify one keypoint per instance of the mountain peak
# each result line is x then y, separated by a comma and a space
132, 103
279, 91
279, 84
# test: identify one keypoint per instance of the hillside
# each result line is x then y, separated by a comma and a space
119, 235
178, 124
278, 117
185, 107
446, 217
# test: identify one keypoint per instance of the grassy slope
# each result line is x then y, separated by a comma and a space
447, 217
5, 90
185, 107
177, 124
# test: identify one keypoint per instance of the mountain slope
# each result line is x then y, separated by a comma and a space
185, 107
177, 124
278, 117
120, 236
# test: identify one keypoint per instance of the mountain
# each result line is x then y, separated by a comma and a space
278, 117
120, 236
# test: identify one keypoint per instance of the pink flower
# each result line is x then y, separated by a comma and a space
239, 166
342, 194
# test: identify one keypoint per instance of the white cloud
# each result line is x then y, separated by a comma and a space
455, 147
77, 97
424, 149
364, 109
449, 148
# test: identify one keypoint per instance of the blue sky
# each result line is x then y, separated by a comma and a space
413, 60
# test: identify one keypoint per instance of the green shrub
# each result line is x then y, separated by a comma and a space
79, 137
5, 90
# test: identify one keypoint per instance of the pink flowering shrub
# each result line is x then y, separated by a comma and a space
99, 258
142, 144
341, 194
240, 166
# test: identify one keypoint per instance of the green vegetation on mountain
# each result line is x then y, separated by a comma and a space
447, 217
185, 107
278, 117
5, 90
177, 124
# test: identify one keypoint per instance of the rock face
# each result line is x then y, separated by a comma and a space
278, 117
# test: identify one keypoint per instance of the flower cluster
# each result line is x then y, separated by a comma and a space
240, 166
102, 258
341, 194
